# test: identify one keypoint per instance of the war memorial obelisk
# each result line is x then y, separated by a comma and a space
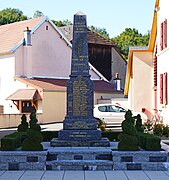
79, 126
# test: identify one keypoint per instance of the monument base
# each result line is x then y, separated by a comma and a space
103, 142
79, 135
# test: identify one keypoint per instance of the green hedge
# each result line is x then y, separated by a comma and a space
149, 142
111, 135
12, 141
49, 135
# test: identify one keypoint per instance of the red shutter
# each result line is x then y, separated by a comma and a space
165, 34
161, 88
161, 36
165, 99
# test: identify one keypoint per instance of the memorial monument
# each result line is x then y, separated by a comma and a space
79, 126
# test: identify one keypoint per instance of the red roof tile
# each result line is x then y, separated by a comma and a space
12, 34
51, 84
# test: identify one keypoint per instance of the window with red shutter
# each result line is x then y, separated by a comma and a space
161, 36
165, 98
161, 88
165, 34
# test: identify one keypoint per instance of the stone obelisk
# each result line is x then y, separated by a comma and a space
79, 126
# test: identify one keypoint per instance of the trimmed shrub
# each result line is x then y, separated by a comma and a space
49, 135
139, 126
149, 142
12, 141
34, 139
33, 122
24, 124
153, 143
128, 140
32, 143
111, 135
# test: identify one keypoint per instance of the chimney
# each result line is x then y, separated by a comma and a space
27, 37
116, 82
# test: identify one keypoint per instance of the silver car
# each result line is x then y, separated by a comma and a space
113, 114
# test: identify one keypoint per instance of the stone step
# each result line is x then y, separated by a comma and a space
79, 154
79, 165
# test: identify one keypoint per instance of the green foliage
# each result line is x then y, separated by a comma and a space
33, 122
161, 130
100, 31
158, 129
166, 130
34, 139
149, 142
37, 14
128, 142
153, 143
130, 37
11, 15
32, 143
12, 141
139, 126
111, 135
101, 124
24, 124
127, 139
49, 135
62, 23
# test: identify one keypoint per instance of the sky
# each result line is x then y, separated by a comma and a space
113, 15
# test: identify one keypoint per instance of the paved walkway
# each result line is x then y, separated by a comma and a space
84, 175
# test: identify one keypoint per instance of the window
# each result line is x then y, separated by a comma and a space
27, 106
163, 89
163, 35
102, 108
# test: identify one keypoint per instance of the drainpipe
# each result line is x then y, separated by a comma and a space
155, 77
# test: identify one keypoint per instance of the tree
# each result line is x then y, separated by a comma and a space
62, 23
37, 14
130, 37
10, 15
101, 31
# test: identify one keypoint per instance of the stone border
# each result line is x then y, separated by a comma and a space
128, 160
23, 160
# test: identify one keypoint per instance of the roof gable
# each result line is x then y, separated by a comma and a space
11, 35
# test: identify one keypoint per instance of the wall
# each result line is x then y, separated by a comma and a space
7, 72
141, 83
54, 106
50, 54
119, 66
13, 120
162, 58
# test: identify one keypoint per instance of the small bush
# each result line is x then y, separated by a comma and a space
12, 141
32, 143
153, 143
49, 135
33, 122
158, 129
111, 135
139, 126
127, 139
24, 124
166, 130
149, 142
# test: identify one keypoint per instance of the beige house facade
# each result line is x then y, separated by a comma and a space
147, 73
